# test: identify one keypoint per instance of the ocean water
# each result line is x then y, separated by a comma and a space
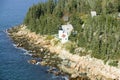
13, 61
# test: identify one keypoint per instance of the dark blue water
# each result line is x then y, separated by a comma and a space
13, 62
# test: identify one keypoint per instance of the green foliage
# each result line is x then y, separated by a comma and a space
49, 37
101, 33
76, 21
44, 18
56, 41
113, 63
69, 46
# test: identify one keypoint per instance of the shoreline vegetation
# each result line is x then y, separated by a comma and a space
54, 54
99, 33
93, 49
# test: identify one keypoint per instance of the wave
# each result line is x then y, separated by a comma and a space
19, 47
26, 52
60, 77
37, 63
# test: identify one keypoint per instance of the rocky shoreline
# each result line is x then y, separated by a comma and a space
78, 67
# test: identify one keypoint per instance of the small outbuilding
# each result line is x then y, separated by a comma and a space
93, 13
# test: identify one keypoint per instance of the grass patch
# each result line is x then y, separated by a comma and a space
56, 41
49, 37
69, 46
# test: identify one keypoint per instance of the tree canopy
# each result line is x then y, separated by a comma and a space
101, 33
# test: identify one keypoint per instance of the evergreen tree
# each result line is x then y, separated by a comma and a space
99, 33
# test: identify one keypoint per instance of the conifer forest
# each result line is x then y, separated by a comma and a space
100, 34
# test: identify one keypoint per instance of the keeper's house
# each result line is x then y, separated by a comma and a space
64, 32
